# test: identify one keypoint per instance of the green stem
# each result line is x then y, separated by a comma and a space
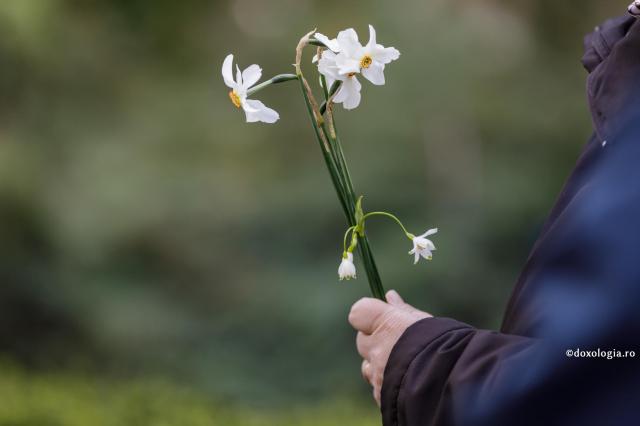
346, 234
340, 166
327, 156
336, 150
282, 78
330, 154
325, 89
336, 146
389, 215
342, 162
375, 282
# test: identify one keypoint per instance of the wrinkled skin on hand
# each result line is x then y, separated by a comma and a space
379, 327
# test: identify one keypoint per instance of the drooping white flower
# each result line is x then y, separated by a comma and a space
255, 110
370, 60
349, 93
347, 269
422, 246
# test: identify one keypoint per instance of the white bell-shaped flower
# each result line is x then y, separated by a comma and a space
347, 269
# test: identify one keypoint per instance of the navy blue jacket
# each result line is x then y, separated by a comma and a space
579, 290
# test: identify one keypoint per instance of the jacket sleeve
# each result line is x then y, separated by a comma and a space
581, 294
429, 366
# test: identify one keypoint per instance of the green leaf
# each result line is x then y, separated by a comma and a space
359, 217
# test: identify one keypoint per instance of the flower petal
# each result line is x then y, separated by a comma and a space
372, 38
330, 80
331, 44
385, 55
251, 75
327, 65
346, 64
342, 94
349, 44
416, 257
349, 35
349, 94
257, 111
227, 72
426, 254
238, 76
375, 73
429, 233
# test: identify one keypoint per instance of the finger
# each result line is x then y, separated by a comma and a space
376, 395
394, 299
366, 371
366, 314
363, 343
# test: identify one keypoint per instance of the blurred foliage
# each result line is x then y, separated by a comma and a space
148, 231
53, 399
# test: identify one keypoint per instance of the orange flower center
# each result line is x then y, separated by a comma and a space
366, 61
235, 99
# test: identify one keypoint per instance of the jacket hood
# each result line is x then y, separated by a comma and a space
598, 44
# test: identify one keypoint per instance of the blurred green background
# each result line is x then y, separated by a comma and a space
164, 263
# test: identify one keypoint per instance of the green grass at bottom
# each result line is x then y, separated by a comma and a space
62, 399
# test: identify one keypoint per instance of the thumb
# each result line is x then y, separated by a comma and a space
394, 299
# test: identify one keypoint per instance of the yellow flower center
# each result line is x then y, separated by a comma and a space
366, 61
235, 99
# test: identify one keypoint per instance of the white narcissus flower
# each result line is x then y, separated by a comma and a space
347, 269
349, 93
346, 58
255, 110
370, 60
422, 246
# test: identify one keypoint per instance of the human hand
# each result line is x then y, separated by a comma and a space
379, 327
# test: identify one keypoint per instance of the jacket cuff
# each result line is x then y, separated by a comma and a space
412, 342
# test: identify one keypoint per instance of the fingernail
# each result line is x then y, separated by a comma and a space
394, 298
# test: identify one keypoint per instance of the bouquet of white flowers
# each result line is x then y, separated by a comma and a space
340, 61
